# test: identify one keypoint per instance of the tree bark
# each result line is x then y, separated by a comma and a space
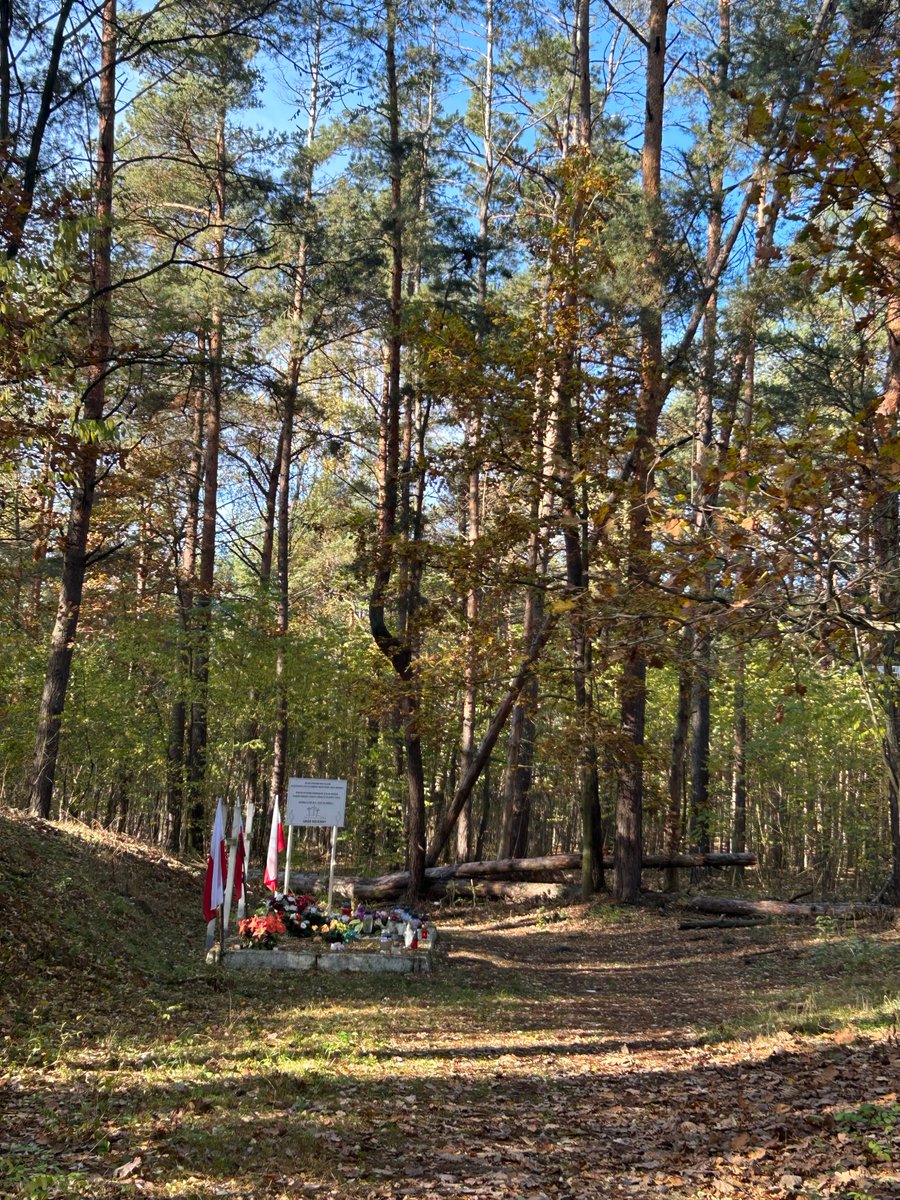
16, 238
472, 441
705, 486
185, 574
633, 686
47, 502
75, 554
202, 615
250, 781
286, 440
887, 516
672, 835
565, 406
777, 908
739, 762
398, 653
516, 817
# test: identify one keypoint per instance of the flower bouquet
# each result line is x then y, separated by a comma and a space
301, 915
334, 931
263, 930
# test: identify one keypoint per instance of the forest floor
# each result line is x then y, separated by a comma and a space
572, 1053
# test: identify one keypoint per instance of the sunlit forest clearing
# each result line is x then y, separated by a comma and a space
492, 410
563, 1052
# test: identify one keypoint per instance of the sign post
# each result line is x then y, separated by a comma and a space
288, 855
334, 830
318, 803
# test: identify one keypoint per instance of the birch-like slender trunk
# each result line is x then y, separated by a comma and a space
672, 833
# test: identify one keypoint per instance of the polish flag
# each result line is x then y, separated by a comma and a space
216, 867
276, 844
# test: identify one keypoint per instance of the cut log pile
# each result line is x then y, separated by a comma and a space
553, 876
551, 868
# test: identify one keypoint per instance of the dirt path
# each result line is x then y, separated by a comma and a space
580, 1060
593, 1082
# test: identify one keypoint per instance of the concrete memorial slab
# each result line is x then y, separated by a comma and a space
306, 957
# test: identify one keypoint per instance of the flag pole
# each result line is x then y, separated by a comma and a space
213, 890
232, 860
287, 858
248, 834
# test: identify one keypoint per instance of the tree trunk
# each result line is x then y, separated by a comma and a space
42, 539
185, 574
558, 867
633, 687
887, 518
516, 817
483, 753
672, 835
398, 653
472, 441
295, 362
699, 834
5, 73
75, 555
705, 485
565, 406
521, 755
202, 615
739, 762
485, 811
46, 102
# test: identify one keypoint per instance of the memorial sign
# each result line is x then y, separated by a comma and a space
316, 802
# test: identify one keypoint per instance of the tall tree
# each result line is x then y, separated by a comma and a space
76, 557
633, 687
286, 439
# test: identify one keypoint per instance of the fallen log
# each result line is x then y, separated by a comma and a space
664, 861
313, 884
498, 889
523, 867
780, 908
552, 866
727, 923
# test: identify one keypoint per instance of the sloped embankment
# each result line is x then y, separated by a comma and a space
84, 911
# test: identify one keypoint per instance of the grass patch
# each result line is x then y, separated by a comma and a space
837, 983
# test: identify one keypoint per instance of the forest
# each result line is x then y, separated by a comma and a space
492, 405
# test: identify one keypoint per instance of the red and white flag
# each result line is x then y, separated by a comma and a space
216, 867
276, 844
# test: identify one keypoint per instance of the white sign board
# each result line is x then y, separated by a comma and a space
316, 802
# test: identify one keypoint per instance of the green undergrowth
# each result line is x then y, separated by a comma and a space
847, 980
